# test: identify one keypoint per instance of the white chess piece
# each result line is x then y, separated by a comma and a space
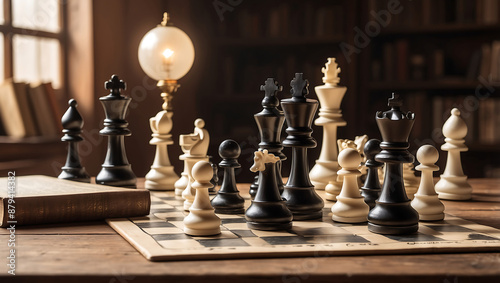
330, 118
411, 181
162, 175
201, 220
426, 201
453, 183
332, 190
350, 206
194, 150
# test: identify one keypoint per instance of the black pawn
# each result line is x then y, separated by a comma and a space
371, 189
116, 171
72, 123
215, 179
228, 199
268, 210
393, 213
254, 186
299, 193
270, 122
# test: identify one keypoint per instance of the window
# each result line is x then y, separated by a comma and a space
32, 41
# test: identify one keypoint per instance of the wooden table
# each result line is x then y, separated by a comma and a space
93, 252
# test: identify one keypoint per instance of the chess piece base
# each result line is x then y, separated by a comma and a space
351, 220
394, 216
370, 195
187, 205
118, 176
453, 188
322, 172
181, 183
411, 191
392, 230
228, 203
269, 226
161, 178
269, 216
350, 210
429, 207
202, 232
235, 210
333, 190
304, 203
431, 217
74, 174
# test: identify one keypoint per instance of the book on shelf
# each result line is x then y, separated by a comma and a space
29, 110
432, 12
44, 116
44, 200
11, 113
482, 117
26, 108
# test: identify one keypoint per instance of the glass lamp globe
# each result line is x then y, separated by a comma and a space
166, 53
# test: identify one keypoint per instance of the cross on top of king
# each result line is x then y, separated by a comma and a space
115, 85
270, 88
299, 87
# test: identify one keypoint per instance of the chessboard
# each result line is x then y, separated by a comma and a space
160, 237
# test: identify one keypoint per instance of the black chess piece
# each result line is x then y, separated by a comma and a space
72, 123
270, 122
393, 213
268, 210
254, 186
116, 171
228, 199
215, 178
371, 188
299, 193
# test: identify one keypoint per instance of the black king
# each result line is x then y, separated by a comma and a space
299, 193
116, 171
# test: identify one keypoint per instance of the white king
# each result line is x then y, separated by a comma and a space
330, 117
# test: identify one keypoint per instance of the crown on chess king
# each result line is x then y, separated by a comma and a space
331, 72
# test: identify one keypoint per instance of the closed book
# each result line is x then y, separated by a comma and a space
54, 104
43, 112
21, 90
43, 200
10, 111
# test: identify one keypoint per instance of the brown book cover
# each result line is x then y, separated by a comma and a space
44, 116
10, 111
43, 200
54, 104
21, 90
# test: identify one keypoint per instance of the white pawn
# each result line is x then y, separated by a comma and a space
453, 183
426, 201
201, 220
410, 180
350, 206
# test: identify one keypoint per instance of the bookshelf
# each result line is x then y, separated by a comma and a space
252, 44
439, 56
31, 155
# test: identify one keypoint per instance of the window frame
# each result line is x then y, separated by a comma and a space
8, 31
